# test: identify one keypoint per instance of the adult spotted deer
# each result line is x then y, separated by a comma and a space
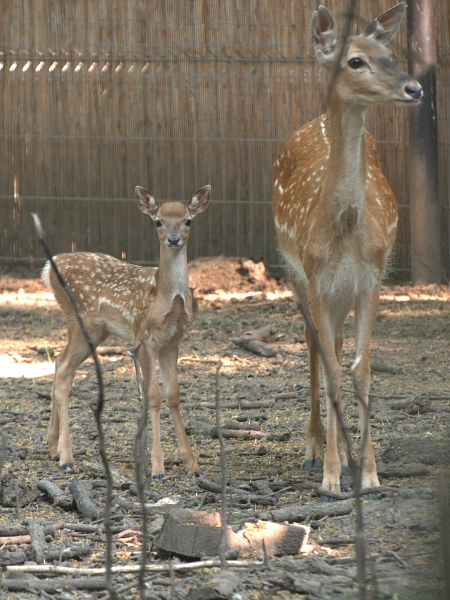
336, 218
147, 305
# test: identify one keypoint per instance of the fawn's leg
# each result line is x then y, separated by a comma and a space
76, 351
154, 395
168, 367
365, 314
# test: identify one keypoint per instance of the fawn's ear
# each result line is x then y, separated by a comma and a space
199, 201
323, 31
146, 201
384, 27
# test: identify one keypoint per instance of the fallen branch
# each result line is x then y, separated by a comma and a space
161, 568
83, 501
296, 514
242, 404
194, 427
55, 494
15, 540
37, 540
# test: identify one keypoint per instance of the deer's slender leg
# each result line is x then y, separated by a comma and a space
342, 446
76, 351
148, 365
315, 436
365, 314
168, 367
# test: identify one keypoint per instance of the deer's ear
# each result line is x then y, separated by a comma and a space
199, 201
146, 201
323, 31
384, 27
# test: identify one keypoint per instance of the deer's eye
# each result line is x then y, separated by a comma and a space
355, 62
188, 222
158, 223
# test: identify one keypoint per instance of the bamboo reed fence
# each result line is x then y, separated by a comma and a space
99, 97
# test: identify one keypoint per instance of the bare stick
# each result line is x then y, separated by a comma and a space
223, 473
140, 452
98, 408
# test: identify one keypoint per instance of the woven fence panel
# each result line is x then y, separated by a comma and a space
102, 96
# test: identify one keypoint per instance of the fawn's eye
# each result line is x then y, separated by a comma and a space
158, 223
188, 222
355, 62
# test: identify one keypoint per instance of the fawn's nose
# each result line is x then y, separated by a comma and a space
414, 90
173, 240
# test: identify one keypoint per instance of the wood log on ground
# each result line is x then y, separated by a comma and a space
196, 534
296, 514
55, 494
382, 367
198, 427
15, 539
37, 540
17, 530
83, 501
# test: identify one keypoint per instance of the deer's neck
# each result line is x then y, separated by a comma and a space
173, 276
344, 183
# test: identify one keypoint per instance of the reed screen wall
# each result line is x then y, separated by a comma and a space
99, 97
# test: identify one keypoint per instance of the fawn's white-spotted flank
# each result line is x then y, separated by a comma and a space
147, 305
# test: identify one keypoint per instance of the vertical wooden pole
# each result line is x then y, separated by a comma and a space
425, 217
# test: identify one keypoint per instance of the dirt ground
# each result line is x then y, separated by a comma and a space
409, 420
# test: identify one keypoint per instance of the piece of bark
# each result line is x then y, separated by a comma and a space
37, 540
17, 557
83, 501
296, 514
382, 367
55, 494
119, 479
196, 534
256, 346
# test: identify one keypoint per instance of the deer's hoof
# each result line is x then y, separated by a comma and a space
68, 467
346, 471
313, 463
199, 474
158, 476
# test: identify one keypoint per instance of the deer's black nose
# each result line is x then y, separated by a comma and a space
173, 240
415, 91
